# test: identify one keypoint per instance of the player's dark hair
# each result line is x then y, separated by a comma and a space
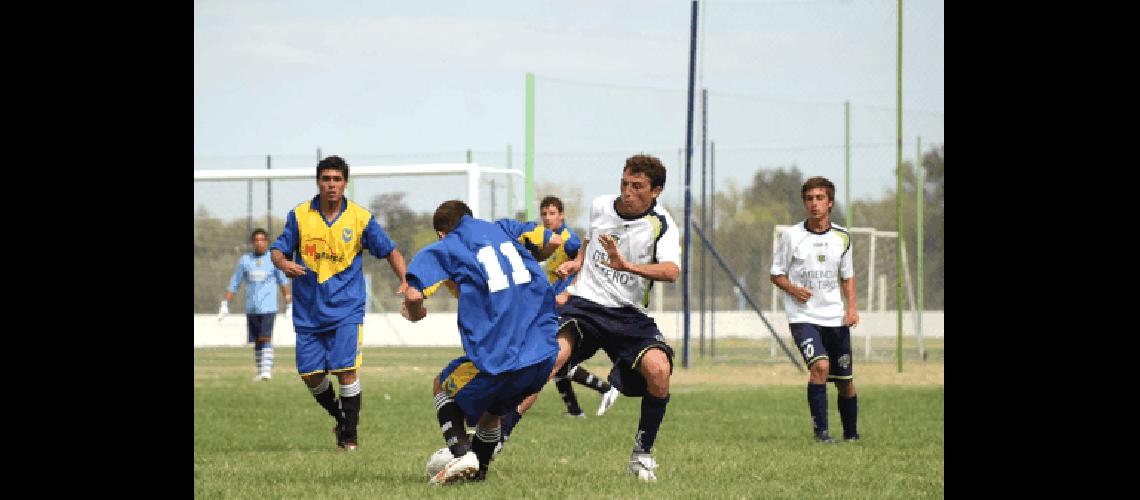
819, 182
551, 200
335, 163
448, 214
256, 232
648, 165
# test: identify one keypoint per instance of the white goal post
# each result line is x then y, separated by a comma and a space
473, 172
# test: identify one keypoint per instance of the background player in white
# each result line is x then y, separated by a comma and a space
262, 279
811, 265
632, 242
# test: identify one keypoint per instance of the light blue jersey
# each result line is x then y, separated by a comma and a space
261, 282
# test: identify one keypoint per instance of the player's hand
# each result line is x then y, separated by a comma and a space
420, 313
801, 293
293, 269
617, 260
567, 268
851, 318
223, 310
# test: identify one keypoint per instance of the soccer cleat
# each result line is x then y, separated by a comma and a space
851, 438
457, 470
343, 441
580, 414
641, 465
607, 400
823, 437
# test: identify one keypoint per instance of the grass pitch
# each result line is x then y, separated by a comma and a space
731, 431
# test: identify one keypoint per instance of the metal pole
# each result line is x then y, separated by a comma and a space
688, 182
528, 190
268, 198
704, 214
920, 187
899, 196
847, 210
712, 230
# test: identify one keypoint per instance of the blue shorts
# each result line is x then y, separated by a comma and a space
625, 333
330, 351
259, 326
824, 342
477, 392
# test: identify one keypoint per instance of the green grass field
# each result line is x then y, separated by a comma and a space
731, 431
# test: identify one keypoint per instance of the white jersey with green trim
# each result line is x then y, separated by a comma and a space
648, 238
816, 261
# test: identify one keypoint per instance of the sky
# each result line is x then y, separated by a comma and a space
422, 82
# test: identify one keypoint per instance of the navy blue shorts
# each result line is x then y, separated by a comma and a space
259, 325
478, 392
625, 333
825, 342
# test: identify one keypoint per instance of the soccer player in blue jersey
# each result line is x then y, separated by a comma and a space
507, 327
812, 264
633, 242
322, 249
261, 279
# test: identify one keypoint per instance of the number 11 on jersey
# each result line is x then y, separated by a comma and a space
496, 278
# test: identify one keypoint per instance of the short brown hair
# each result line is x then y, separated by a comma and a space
447, 215
819, 182
648, 165
551, 200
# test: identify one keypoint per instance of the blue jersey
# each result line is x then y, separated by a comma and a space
261, 282
506, 306
331, 293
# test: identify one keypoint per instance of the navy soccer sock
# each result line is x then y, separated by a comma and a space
652, 413
451, 424
325, 396
581, 376
508, 422
817, 402
566, 390
848, 413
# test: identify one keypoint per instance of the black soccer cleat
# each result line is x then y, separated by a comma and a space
823, 437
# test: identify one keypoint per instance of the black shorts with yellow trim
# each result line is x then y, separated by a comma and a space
832, 343
624, 333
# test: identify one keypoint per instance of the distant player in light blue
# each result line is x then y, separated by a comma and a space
261, 279
507, 326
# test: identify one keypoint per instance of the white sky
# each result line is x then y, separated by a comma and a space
362, 78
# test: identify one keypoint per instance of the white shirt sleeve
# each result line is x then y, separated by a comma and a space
669, 246
781, 259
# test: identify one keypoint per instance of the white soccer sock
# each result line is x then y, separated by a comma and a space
350, 390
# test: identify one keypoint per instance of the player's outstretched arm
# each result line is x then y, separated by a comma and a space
660, 271
290, 268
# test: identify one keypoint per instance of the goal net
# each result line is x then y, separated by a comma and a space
230, 203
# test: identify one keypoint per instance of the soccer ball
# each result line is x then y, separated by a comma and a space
437, 461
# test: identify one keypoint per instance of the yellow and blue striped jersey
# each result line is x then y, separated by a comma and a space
331, 293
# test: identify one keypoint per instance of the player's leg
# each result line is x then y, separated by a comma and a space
264, 347
311, 365
344, 359
449, 415
838, 343
809, 341
566, 390
655, 366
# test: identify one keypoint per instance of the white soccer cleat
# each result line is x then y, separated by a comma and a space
642, 465
457, 470
608, 400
